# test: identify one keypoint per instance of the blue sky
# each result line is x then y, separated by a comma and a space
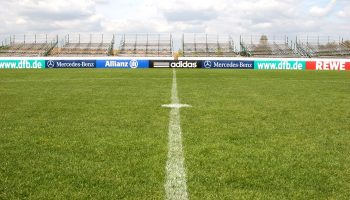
235, 17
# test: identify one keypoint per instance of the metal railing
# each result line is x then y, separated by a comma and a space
148, 45
28, 45
209, 45
162, 45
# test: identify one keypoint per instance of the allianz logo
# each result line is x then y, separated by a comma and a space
123, 64
133, 64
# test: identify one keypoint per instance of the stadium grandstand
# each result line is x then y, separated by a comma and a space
28, 45
323, 47
263, 46
204, 45
84, 45
162, 45
145, 45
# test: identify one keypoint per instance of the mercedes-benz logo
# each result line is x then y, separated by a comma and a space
207, 64
50, 64
133, 64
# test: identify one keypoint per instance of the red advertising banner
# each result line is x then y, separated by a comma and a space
337, 65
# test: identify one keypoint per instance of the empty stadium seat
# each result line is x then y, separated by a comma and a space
145, 45
204, 45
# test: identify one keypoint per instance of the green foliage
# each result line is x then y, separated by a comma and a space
347, 43
263, 40
219, 52
4, 47
180, 53
263, 47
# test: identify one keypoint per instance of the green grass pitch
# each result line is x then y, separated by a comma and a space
102, 134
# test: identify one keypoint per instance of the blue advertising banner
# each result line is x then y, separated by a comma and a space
70, 63
227, 64
122, 64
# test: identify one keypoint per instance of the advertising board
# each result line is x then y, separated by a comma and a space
22, 64
337, 65
70, 63
175, 64
227, 64
279, 65
132, 64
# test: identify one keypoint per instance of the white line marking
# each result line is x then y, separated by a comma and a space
75, 79
176, 105
175, 185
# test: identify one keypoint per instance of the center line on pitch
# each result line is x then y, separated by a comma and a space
175, 185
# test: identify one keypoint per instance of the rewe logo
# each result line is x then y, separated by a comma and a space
183, 64
330, 65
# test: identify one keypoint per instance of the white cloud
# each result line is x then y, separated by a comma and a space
323, 11
49, 16
190, 15
344, 12
275, 17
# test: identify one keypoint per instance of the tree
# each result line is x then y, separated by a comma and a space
329, 46
263, 48
347, 43
264, 40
